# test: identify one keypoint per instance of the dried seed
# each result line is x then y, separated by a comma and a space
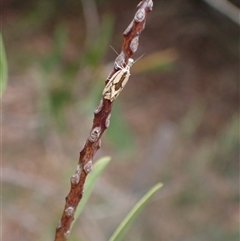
69, 211
107, 122
88, 167
99, 108
134, 44
140, 15
95, 133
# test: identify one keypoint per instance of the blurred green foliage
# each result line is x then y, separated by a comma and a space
226, 150
3, 66
58, 78
54, 84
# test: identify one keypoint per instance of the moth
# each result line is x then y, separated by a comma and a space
117, 82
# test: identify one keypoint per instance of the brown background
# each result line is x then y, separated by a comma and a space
177, 124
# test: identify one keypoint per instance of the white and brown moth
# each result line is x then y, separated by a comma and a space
117, 82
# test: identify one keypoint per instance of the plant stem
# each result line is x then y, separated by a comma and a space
100, 124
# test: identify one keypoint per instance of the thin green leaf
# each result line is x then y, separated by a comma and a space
126, 223
3, 67
92, 178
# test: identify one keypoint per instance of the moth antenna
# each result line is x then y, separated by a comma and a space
139, 58
114, 50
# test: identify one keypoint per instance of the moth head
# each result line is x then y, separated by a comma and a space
130, 62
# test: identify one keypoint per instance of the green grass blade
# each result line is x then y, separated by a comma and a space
3, 67
126, 223
92, 178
